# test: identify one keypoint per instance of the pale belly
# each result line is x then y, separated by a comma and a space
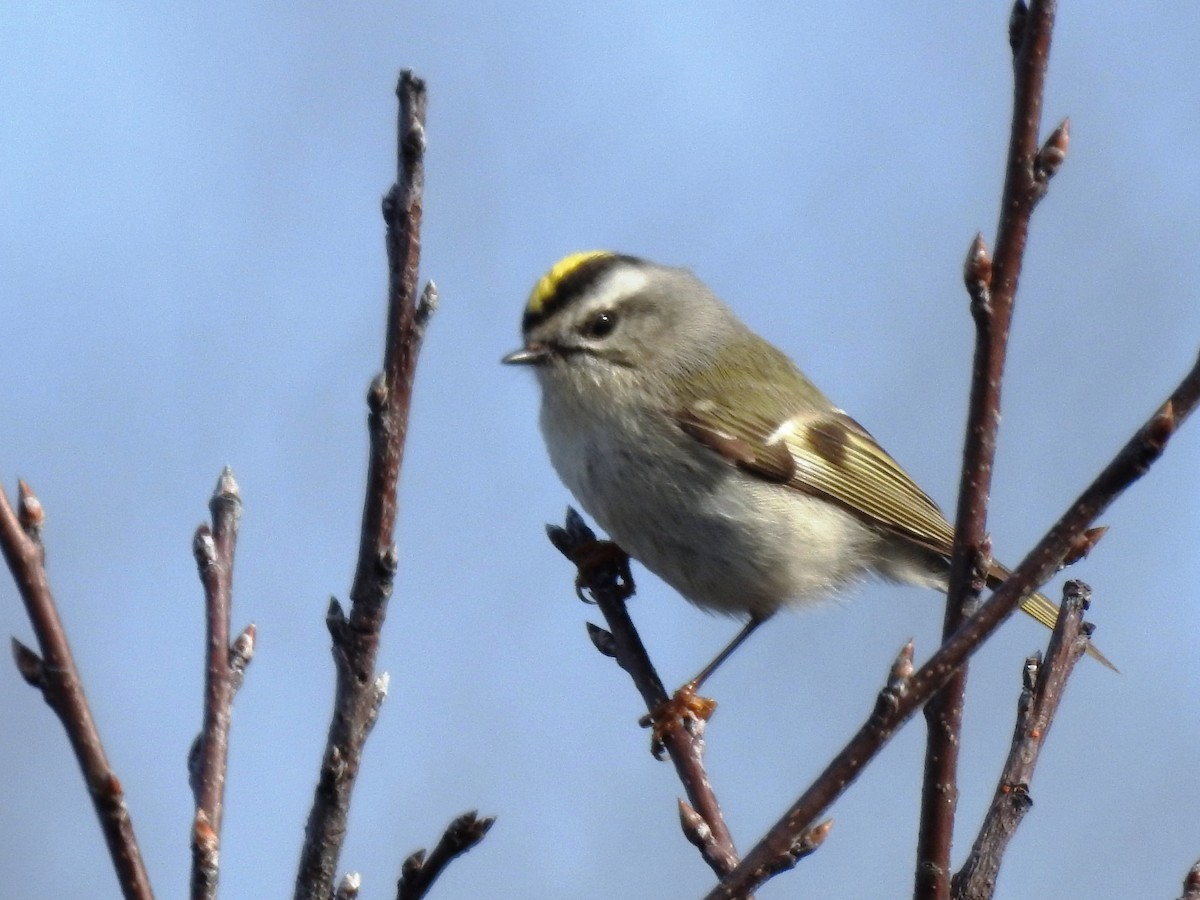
727, 540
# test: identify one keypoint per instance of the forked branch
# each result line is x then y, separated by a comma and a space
992, 286
420, 870
605, 577
1043, 683
896, 706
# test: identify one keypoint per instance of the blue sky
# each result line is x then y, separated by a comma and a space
193, 276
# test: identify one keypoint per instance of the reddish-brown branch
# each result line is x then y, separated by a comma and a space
419, 871
55, 675
897, 704
610, 586
1044, 683
993, 290
214, 551
356, 637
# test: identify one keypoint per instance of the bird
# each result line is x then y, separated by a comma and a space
709, 457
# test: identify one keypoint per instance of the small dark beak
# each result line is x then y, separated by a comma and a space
530, 355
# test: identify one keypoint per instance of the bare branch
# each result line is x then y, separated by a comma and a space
359, 691
420, 871
992, 285
208, 763
1043, 684
610, 585
894, 708
55, 675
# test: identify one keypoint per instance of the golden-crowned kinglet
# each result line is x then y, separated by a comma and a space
708, 456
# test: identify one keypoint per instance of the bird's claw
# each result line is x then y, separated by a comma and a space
597, 561
684, 708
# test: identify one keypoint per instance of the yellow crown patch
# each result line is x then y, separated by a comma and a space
549, 283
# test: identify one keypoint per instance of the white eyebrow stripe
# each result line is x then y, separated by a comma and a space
622, 282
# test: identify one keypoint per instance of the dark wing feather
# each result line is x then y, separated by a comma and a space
824, 454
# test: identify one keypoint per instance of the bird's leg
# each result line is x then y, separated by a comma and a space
686, 703
739, 639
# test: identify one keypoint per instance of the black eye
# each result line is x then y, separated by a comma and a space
600, 324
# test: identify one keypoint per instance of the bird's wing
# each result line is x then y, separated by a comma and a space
828, 454
824, 454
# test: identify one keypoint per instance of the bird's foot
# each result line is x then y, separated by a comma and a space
599, 561
685, 708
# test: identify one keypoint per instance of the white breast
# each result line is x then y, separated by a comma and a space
727, 540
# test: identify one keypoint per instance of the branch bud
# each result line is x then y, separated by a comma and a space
347, 888
977, 276
1029, 674
29, 664
1083, 545
29, 511
1053, 153
695, 829
1017, 20
204, 549
240, 654
902, 668
427, 305
602, 640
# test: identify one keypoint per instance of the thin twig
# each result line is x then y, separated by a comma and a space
214, 551
610, 586
1043, 685
359, 691
895, 707
419, 871
992, 285
54, 674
